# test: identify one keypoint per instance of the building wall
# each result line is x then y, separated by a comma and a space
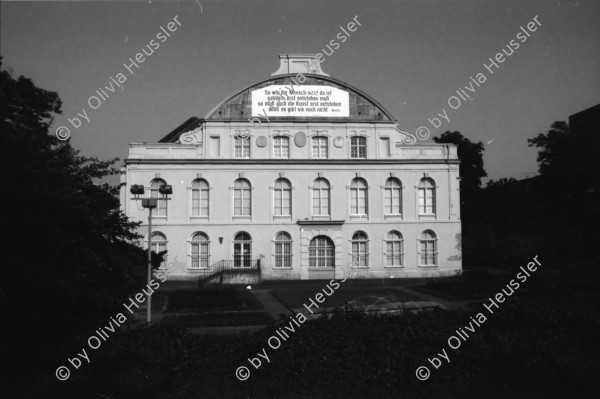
179, 225
205, 148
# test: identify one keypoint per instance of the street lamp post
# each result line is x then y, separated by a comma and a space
150, 203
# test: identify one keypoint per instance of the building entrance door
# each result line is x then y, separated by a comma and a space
242, 250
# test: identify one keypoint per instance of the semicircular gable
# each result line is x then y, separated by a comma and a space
362, 108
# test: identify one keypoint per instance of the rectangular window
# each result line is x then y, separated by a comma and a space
394, 253
392, 201
358, 147
426, 200
282, 202
281, 147
242, 146
319, 147
321, 202
358, 201
359, 254
241, 202
200, 255
428, 256
200, 202
283, 254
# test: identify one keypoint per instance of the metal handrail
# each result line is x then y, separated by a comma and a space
240, 265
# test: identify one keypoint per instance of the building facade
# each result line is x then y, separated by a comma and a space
305, 173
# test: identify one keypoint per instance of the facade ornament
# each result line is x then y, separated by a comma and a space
192, 137
407, 138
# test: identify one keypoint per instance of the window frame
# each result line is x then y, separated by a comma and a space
361, 143
165, 247
318, 138
200, 190
245, 145
201, 256
320, 197
281, 191
360, 240
277, 145
434, 241
354, 191
283, 256
160, 203
391, 189
424, 189
386, 255
242, 190
319, 252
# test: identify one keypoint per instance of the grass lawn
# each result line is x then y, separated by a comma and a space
217, 299
352, 294
473, 284
218, 319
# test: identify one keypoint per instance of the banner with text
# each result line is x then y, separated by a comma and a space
278, 100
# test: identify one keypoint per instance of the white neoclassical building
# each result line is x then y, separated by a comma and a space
306, 175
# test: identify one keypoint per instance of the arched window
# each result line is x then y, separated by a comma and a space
200, 198
426, 197
241, 145
394, 248
358, 147
319, 147
283, 250
428, 248
200, 251
282, 198
281, 147
393, 196
321, 252
358, 197
161, 205
242, 250
242, 198
320, 190
360, 249
159, 244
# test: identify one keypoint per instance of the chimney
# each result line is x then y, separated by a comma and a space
298, 63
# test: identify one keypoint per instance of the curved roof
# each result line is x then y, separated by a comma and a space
363, 108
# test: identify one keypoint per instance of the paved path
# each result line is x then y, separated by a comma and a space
275, 308
442, 303
223, 330
272, 306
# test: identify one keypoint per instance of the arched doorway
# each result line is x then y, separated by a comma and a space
242, 250
321, 252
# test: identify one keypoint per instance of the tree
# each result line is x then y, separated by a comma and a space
68, 252
471, 160
569, 164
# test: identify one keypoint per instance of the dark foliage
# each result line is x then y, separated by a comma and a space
471, 160
529, 348
67, 252
570, 183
